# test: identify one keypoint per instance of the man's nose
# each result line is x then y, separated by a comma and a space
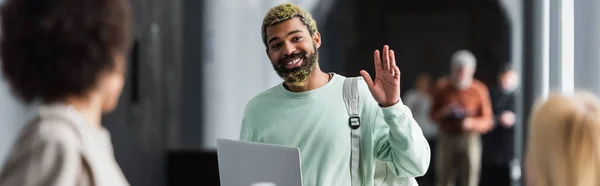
289, 49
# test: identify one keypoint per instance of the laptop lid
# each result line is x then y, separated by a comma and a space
244, 163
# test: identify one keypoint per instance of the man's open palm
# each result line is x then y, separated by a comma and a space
386, 87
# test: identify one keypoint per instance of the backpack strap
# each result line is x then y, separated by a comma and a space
351, 99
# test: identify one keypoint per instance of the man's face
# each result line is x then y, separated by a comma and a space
292, 50
462, 77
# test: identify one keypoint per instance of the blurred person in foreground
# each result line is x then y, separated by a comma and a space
498, 144
564, 141
307, 109
68, 56
462, 109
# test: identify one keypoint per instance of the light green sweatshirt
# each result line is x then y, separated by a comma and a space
316, 122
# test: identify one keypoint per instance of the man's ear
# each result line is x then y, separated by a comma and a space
317, 39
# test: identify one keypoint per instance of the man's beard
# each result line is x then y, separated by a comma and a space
297, 76
462, 84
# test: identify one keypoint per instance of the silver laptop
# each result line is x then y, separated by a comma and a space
243, 163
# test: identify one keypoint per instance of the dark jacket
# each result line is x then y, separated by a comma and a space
498, 144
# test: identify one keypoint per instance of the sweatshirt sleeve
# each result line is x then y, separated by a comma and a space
246, 133
484, 121
400, 141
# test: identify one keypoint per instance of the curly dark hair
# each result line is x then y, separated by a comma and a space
57, 48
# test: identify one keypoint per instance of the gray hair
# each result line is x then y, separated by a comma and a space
463, 58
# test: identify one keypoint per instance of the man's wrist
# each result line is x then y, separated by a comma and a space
389, 104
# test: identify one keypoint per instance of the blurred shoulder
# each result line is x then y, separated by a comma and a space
480, 86
442, 82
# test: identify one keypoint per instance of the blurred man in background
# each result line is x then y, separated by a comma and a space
498, 144
461, 107
419, 102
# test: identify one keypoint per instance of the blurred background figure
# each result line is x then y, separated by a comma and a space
498, 144
461, 107
70, 57
418, 100
563, 146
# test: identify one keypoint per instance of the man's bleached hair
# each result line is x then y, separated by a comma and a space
463, 58
283, 13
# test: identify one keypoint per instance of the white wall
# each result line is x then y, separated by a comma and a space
13, 115
587, 45
572, 47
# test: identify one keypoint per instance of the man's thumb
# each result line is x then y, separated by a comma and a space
367, 78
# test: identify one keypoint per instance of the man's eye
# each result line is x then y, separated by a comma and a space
276, 46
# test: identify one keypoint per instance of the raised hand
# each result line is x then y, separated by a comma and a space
386, 87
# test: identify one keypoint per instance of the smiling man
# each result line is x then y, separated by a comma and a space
308, 111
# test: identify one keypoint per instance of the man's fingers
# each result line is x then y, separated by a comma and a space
396, 72
386, 58
377, 60
393, 58
367, 78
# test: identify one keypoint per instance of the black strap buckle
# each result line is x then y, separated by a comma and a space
354, 122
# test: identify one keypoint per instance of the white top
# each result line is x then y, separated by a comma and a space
60, 149
420, 104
